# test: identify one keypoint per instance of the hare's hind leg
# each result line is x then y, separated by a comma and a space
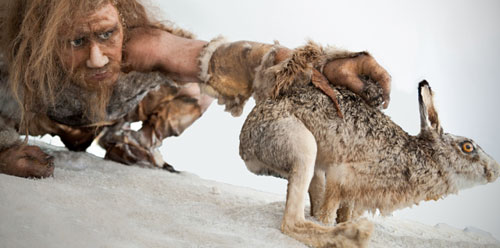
332, 198
286, 148
302, 156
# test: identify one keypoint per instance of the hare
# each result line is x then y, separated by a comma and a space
361, 162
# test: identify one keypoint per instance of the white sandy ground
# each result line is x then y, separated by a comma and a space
95, 203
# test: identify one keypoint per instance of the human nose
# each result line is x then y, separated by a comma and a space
96, 59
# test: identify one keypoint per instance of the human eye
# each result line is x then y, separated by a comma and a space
77, 42
106, 35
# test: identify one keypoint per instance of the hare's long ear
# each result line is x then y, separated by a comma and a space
429, 118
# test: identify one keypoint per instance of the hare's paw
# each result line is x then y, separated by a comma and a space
327, 213
327, 217
347, 234
351, 234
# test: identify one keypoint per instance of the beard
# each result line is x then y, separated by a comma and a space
98, 84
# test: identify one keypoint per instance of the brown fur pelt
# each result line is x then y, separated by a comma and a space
297, 68
228, 71
233, 72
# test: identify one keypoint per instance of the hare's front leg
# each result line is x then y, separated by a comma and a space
302, 156
345, 212
327, 213
317, 191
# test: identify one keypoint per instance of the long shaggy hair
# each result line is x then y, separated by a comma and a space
33, 38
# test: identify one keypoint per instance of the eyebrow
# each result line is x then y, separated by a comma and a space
102, 30
86, 33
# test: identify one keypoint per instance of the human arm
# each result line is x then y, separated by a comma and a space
230, 69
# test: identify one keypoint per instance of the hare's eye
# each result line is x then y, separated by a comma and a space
467, 147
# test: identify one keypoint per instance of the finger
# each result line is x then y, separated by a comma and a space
353, 83
39, 170
35, 153
387, 100
371, 68
341, 72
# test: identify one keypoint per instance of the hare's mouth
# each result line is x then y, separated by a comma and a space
491, 175
492, 171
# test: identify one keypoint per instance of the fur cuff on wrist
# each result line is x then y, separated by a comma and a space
206, 55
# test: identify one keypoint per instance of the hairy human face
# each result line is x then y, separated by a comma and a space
93, 52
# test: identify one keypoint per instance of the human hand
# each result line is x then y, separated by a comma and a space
26, 161
348, 72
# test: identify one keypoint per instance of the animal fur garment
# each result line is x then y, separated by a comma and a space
163, 113
228, 70
131, 88
8, 135
233, 72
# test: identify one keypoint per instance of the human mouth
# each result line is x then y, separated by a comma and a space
100, 75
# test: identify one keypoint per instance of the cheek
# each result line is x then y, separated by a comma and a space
117, 53
114, 54
73, 58
117, 47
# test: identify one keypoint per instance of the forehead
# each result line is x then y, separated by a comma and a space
104, 16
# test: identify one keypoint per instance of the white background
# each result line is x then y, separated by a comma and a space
455, 45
